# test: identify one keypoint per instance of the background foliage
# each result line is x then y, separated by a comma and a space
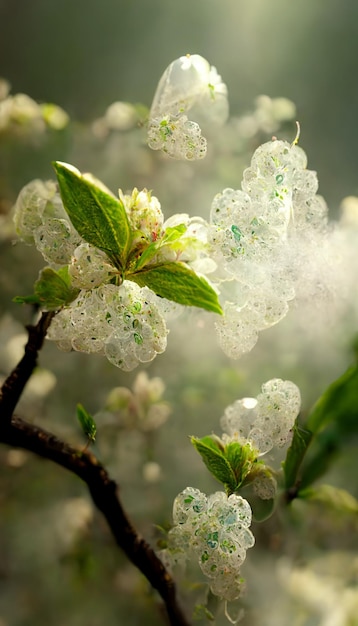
57, 560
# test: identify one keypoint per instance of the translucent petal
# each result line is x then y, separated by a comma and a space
188, 503
30, 206
190, 81
89, 267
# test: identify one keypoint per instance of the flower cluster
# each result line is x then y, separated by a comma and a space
252, 230
41, 220
188, 84
111, 314
265, 421
252, 427
177, 136
144, 213
179, 238
122, 322
215, 531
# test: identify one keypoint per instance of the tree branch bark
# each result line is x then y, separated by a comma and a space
14, 385
104, 491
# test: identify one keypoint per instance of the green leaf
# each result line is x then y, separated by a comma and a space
173, 233
339, 402
52, 290
234, 453
295, 454
332, 421
214, 442
241, 459
323, 450
201, 613
169, 239
65, 275
87, 423
214, 459
98, 217
146, 256
26, 300
175, 281
329, 424
334, 497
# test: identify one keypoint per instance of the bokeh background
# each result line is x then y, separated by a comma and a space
58, 564
84, 55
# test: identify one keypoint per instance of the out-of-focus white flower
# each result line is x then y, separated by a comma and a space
143, 407
121, 116
72, 517
54, 116
16, 458
148, 390
22, 114
151, 472
323, 591
4, 88
40, 384
271, 112
349, 211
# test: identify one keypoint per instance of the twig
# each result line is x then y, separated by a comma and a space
104, 492
14, 384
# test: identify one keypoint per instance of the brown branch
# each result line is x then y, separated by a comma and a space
14, 384
104, 491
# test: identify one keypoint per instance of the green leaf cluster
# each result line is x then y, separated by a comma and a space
232, 464
101, 219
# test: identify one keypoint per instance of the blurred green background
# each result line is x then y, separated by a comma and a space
85, 54
58, 564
